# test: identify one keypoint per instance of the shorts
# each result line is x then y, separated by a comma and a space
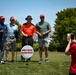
11, 43
43, 42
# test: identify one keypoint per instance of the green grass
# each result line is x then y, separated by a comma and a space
58, 65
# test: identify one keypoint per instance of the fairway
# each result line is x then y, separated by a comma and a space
58, 65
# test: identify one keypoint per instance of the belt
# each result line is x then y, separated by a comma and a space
11, 37
27, 36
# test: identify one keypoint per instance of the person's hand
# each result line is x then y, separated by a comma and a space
68, 38
40, 35
26, 35
74, 41
70, 41
1, 31
43, 33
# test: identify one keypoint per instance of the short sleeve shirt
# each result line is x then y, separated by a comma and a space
43, 27
28, 29
72, 51
11, 28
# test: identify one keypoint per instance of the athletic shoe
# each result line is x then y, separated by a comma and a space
22, 60
6, 61
12, 61
2, 62
46, 60
40, 61
28, 60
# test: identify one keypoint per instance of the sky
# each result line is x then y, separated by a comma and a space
20, 9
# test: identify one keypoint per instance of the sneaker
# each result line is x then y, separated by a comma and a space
6, 61
28, 60
12, 61
40, 61
22, 59
2, 62
46, 60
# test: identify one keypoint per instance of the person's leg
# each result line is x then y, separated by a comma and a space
7, 46
40, 52
13, 55
30, 42
2, 52
7, 50
46, 54
13, 47
46, 44
24, 42
6, 54
40, 41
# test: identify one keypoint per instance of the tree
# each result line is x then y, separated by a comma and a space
19, 26
20, 36
64, 23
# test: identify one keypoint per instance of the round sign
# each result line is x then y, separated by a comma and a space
27, 51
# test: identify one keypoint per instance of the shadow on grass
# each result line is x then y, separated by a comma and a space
21, 61
34, 61
29, 61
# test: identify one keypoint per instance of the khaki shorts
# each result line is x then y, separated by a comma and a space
43, 42
11, 43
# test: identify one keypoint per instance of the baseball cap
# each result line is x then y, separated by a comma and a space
2, 18
28, 17
42, 15
12, 18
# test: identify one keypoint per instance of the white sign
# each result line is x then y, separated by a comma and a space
27, 51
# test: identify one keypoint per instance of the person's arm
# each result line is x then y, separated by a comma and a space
24, 34
46, 32
67, 48
38, 33
22, 31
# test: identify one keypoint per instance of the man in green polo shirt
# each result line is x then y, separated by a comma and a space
43, 29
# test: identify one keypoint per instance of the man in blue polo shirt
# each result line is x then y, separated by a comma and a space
3, 31
11, 38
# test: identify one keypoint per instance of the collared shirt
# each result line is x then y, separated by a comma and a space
3, 34
11, 28
28, 29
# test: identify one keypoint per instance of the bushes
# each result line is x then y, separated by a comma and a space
53, 46
19, 46
35, 47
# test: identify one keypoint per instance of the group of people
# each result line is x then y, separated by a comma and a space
8, 36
